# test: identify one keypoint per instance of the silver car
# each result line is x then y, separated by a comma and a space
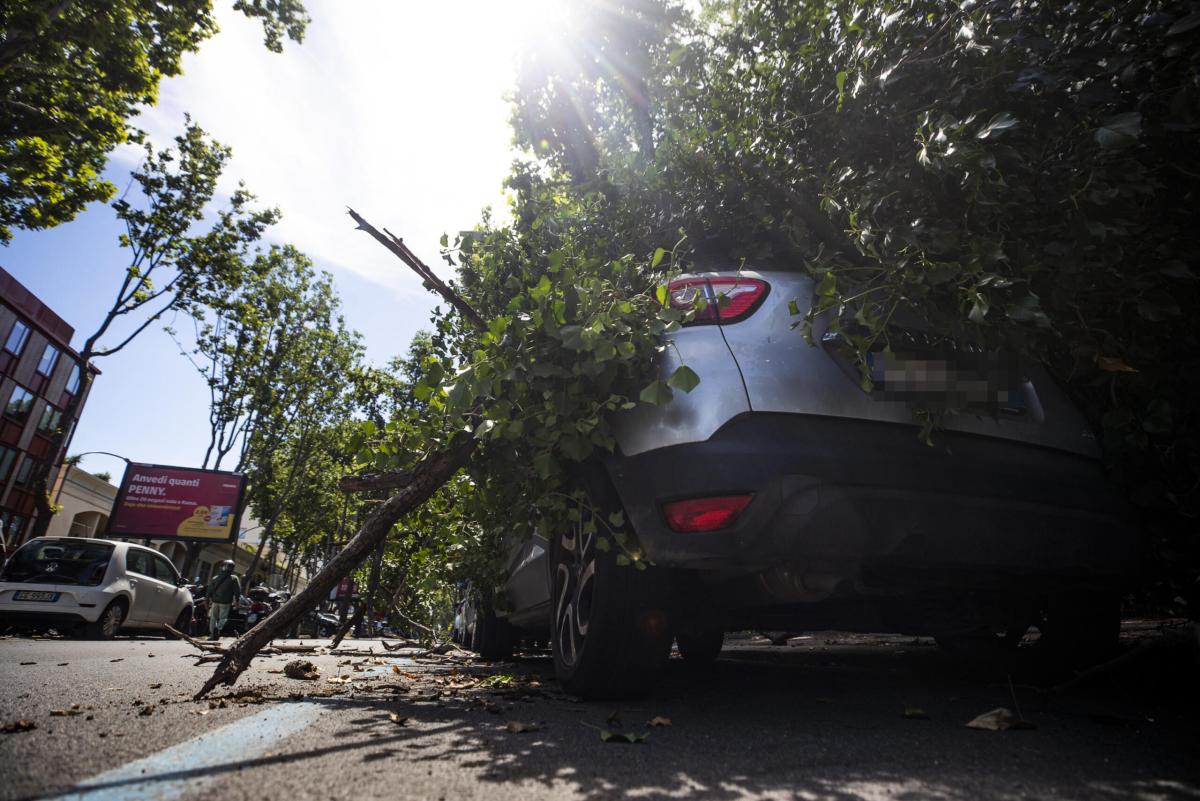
90, 586
786, 493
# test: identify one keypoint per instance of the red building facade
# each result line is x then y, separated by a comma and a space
39, 375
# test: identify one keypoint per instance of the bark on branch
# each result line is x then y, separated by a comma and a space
432, 472
376, 481
396, 245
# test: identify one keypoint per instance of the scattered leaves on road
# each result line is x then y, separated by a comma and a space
399, 720
118, 659
155, 686
609, 736
62, 664
999, 719
146, 711
656, 722
29, 663
340, 679
520, 727
301, 669
915, 713
18, 725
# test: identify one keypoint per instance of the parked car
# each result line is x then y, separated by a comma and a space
96, 587
785, 493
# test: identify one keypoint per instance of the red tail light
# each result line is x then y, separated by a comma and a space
728, 299
705, 514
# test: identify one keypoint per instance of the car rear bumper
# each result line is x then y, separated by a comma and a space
36, 618
840, 501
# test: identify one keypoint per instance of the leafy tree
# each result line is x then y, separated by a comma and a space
279, 364
173, 267
73, 72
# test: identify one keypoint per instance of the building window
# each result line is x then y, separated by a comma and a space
7, 457
25, 471
19, 403
17, 338
73, 380
49, 359
49, 421
13, 524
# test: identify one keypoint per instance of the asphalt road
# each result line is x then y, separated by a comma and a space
829, 716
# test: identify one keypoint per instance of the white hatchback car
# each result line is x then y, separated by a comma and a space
97, 586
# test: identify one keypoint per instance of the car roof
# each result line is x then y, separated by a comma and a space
76, 539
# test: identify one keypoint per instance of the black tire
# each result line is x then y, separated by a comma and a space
109, 622
700, 645
611, 629
1080, 630
492, 637
325, 631
183, 624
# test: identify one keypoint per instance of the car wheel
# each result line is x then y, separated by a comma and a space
324, 631
491, 637
183, 624
109, 622
700, 645
611, 633
1080, 630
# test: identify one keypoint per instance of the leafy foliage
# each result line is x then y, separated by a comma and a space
1015, 172
73, 72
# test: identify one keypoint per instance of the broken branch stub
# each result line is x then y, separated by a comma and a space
431, 473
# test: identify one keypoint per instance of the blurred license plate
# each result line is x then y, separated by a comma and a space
29, 595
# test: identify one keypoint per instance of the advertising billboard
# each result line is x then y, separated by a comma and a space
177, 503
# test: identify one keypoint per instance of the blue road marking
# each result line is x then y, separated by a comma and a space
192, 765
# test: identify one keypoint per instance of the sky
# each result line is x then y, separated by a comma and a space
394, 107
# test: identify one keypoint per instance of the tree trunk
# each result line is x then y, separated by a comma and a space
433, 471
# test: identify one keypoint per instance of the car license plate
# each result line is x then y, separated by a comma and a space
29, 595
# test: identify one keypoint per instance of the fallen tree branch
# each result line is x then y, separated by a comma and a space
396, 245
203, 646
431, 473
376, 481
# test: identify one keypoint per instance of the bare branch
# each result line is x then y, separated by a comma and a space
433, 471
376, 481
401, 251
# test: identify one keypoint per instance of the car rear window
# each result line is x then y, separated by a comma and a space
59, 562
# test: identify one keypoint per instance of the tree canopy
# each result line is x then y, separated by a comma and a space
72, 75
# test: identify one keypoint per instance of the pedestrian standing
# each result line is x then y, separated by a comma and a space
223, 590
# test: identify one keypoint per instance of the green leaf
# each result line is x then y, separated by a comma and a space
684, 378
840, 80
656, 393
542, 289
662, 293
793, 308
444, 241
997, 125
616, 519
658, 257
622, 560
827, 286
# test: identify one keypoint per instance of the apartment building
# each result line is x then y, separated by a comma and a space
40, 375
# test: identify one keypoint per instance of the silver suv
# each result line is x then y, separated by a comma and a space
786, 493
96, 587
